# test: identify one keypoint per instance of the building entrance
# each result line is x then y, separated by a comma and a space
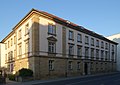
86, 68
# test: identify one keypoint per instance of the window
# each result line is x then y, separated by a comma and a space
6, 57
51, 65
19, 34
78, 65
92, 41
102, 44
113, 48
97, 43
112, 57
14, 39
26, 46
79, 51
14, 53
26, 29
11, 55
106, 55
11, 67
71, 49
92, 52
8, 44
86, 40
97, 54
5, 46
51, 47
106, 46
79, 38
70, 65
86, 52
11, 41
20, 49
102, 54
71, 35
51, 29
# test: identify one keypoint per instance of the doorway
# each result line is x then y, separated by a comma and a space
86, 68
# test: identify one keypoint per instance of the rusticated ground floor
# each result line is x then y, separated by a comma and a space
45, 67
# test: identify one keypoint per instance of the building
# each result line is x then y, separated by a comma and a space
116, 38
2, 59
54, 47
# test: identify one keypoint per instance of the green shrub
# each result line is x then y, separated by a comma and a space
25, 72
11, 77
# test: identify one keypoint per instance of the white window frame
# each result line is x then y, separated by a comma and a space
71, 35
97, 53
102, 44
71, 49
92, 52
27, 46
86, 40
79, 51
79, 38
20, 34
26, 29
86, 52
92, 41
97, 43
70, 67
51, 47
51, 29
51, 65
20, 49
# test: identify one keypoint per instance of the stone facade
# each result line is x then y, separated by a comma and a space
61, 67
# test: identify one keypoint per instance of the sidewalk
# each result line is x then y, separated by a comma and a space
8, 82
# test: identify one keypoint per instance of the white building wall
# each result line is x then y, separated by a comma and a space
2, 55
75, 32
44, 35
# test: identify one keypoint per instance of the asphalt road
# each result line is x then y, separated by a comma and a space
108, 79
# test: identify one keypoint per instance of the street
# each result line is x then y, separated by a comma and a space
108, 79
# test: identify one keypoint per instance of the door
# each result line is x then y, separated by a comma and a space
86, 68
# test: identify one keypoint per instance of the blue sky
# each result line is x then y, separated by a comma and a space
100, 16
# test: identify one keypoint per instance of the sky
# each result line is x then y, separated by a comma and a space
100, 16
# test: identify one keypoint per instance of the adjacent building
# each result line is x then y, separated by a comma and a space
54, 47
2, 56
116, 38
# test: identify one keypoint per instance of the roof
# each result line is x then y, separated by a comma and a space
66, 23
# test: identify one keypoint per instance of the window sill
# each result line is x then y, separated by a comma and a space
19, 38
79, 41
26, 34
87, 43
71, 39
52, 34
51, 70
97, 46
